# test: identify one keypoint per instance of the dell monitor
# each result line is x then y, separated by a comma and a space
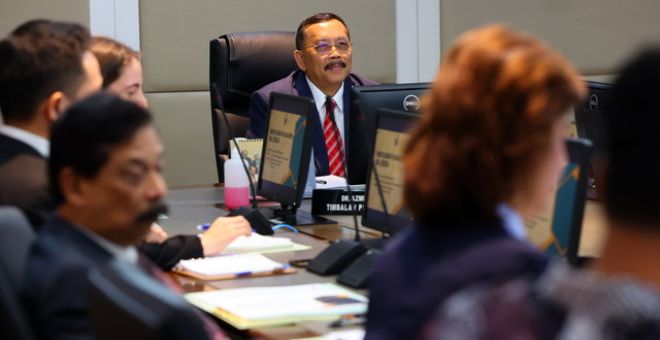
557, 230
384, 209
285, 159
365, 101
589, 118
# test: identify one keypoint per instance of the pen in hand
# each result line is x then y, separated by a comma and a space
205, 227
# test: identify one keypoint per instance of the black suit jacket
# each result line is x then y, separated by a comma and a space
296, 84
24, 183
56, 283
424, 266
23, 180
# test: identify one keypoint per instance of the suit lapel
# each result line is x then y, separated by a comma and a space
62, 229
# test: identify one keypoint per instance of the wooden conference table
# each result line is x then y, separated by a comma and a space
192, 206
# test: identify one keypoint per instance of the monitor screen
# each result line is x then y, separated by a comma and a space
557, 230
590, 114
365, 101
286, 149
384, 210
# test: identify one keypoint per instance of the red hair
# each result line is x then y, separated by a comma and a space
486, 118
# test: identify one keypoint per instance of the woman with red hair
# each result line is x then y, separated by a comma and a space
486, 154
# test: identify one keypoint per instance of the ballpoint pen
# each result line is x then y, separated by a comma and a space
204, 227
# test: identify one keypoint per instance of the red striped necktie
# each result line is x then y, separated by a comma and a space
333, 141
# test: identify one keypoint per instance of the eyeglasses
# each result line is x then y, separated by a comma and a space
325, 47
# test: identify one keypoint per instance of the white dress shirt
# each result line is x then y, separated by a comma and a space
41, 144
511, 221
319, 101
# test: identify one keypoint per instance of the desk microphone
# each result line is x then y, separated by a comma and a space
358, 273
258, 222
340, 254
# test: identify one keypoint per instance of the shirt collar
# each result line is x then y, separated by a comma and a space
319, 97
511, 221
128, 254
41, 144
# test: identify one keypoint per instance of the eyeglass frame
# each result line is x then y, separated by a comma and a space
331, 46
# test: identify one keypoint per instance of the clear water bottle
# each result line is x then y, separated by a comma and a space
237, 186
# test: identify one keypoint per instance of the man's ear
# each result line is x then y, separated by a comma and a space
55, 105
297, 55
71, 187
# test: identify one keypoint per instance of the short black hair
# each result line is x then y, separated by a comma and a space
315, 19
38, 58
88, 131
632, 141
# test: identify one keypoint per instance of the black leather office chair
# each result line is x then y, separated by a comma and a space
125, 303
241, 63
16, 236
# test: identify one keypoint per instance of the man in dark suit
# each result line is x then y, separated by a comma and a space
44, 67
105, 173
324, 55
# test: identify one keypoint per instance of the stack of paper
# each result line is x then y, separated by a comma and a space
231, 266
267, 306
259, 243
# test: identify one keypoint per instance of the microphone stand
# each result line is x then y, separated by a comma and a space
257, 221
232, 137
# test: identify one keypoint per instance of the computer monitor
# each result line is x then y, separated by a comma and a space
365, 101
589, 118
285, 159
384, 209
125, 303
557, 230
590, 114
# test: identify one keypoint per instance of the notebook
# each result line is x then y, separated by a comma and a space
231, 266
269, 306
257, 243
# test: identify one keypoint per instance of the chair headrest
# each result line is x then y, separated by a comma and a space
241, 63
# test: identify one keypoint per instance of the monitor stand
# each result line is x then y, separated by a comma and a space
592, 190
293, 217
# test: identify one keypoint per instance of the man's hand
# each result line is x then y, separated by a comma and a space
156, 234
222, 232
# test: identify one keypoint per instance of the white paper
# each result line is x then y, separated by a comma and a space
330, 182
257, 242
259, 303
233, 264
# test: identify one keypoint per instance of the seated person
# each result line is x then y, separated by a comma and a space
44, 67
324, 55
105, 175
618, 297
122, 75
485, 154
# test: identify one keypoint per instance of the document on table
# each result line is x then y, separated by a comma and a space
231, 266
263, 244
267, 306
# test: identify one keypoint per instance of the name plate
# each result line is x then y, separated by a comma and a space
337, 202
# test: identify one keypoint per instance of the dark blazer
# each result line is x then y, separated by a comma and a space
296, 84
24, 183
423, 266
23, 180
56, 283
